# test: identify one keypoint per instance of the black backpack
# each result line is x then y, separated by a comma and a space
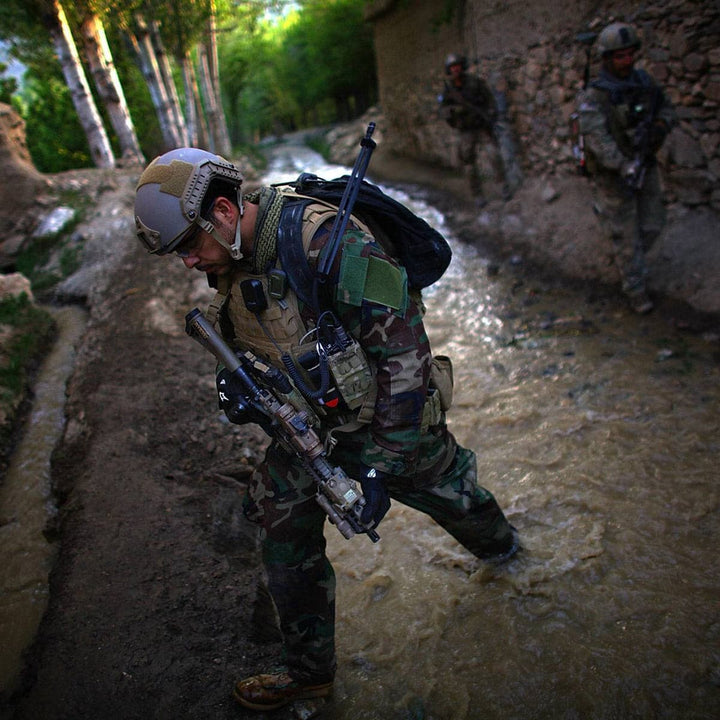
420, 249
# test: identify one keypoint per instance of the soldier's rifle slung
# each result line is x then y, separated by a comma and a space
337, 493
458, 99
635, 177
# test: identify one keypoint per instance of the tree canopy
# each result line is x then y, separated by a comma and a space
282, 65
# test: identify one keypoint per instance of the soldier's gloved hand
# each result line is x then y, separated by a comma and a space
232, 401
631, 172
377, 500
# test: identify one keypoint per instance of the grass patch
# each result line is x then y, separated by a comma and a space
27, 329
26, 332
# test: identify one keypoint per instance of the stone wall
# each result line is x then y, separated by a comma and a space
530, 50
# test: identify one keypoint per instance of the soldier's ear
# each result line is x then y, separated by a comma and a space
224, 209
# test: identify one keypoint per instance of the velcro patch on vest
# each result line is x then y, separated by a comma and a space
370, 278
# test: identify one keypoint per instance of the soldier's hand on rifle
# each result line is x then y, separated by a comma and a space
377, 500
233, 402
631, 172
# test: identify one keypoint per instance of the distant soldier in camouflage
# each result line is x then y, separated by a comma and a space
624, 118
396, 444
469, 105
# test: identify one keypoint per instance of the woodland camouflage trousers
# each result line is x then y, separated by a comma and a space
301, 581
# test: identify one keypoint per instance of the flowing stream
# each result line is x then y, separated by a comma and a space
599, 432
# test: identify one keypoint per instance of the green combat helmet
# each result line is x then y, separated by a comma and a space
455, 59
169, 197
617, 36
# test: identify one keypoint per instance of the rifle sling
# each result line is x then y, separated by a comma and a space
292, 253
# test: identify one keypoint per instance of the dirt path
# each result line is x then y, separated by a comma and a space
153, 594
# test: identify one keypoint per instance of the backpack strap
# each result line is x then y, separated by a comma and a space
291, 252
223, 287
300, 219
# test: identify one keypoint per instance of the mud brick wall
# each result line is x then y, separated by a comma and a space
530, 51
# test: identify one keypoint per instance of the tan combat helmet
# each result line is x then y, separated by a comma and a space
169, 197
617, 36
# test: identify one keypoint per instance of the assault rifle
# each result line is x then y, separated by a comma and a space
337, 493
345, 208
456, 98
635, 174
578, 141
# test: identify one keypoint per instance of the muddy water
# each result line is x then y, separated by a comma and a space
599, 433
26, 504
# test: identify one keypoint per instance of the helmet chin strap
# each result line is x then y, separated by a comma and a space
234, 248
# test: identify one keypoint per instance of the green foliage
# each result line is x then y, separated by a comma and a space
8, 86
314, 66
55, 138
30, 328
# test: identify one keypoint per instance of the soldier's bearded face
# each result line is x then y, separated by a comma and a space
621, 62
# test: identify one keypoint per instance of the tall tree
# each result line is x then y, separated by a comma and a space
191, 25
139, 36
29, 22
167, 78
107, 84
57, 25
217, 122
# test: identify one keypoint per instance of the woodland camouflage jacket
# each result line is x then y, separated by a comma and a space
471, 106
610, 112
371, 298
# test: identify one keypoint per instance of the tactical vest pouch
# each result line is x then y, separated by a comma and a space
351, 372
440, 392
351, 378
441, 378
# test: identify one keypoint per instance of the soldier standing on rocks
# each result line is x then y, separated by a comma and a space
471, 107
624, 118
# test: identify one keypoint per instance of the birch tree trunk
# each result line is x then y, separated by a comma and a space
219, 126
163, 62
100, 150
196, 124
107, 83
215, 121
145, 52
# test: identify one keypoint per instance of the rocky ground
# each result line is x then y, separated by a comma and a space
155, 604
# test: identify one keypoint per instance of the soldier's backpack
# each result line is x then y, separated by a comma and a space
419, 248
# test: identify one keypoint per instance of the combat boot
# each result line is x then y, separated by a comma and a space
270, 691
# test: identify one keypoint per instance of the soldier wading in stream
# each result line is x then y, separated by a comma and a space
396, 444
624, 118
